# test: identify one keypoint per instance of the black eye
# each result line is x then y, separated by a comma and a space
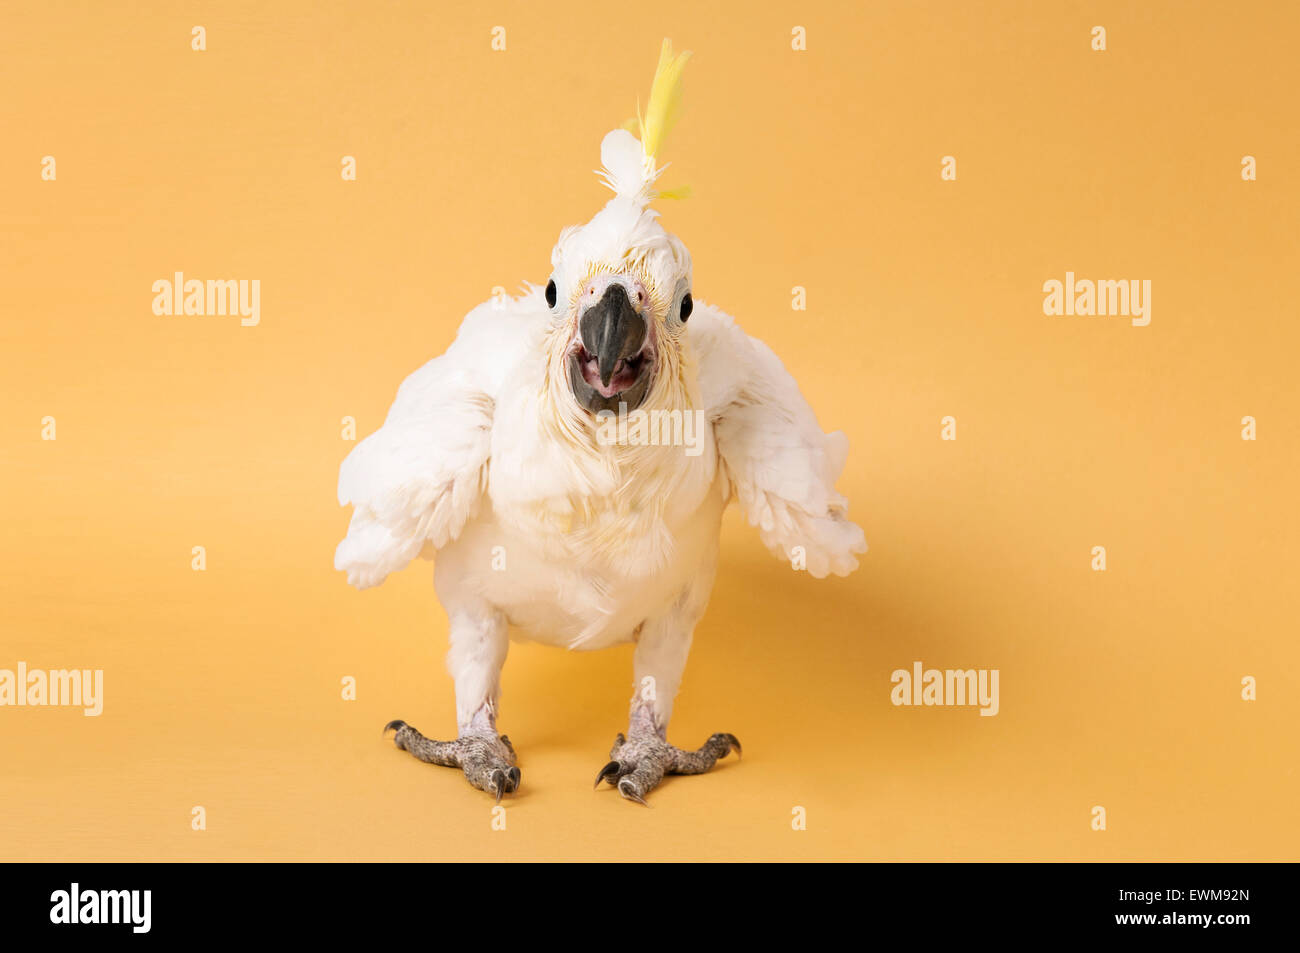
550, 293
687, 307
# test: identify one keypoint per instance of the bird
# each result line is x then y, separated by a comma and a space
566, 463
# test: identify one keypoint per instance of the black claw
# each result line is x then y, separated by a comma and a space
629, 791
513, 779
497, 783
395, 725
619, 742
611, 769
735, 745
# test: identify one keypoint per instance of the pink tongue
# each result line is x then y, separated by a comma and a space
620, 381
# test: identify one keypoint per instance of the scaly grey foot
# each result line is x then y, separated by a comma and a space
487, 760
638, 764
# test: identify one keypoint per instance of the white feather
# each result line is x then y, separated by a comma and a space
783, 467
421, 476
626, 170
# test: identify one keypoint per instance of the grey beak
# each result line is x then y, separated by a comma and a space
612, 331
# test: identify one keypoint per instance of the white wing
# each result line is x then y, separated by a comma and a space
421, 476
782, 467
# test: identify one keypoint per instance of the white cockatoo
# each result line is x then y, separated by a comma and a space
569, 458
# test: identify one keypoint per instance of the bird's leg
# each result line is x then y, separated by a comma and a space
640, 759
478, 650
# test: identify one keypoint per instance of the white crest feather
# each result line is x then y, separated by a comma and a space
626, 170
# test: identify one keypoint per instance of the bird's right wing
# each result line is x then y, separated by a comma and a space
421, 476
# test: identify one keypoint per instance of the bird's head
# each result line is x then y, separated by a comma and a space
620, 286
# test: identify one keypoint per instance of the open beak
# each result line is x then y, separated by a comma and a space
610, 364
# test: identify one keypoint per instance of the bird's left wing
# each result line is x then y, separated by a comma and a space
781, 465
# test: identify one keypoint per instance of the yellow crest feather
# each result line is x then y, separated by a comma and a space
665, 99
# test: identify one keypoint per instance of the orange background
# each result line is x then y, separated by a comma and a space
816, 168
